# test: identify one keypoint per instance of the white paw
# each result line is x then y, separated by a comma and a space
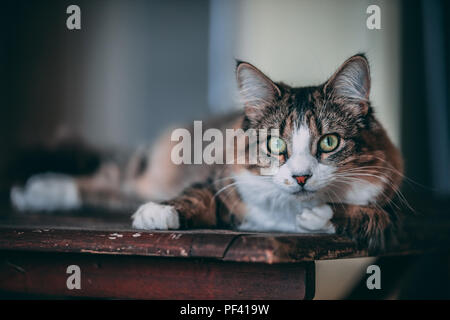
316, 219
152, 216
47, 192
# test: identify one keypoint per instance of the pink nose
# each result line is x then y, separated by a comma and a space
301, 180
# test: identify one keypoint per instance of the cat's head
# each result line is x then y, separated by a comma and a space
327, 133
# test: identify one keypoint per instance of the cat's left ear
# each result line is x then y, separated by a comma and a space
351, 84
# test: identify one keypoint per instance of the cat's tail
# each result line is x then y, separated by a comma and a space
70, 156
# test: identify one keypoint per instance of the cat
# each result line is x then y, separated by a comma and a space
338, 172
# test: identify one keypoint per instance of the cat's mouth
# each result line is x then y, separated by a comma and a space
297, 191
303, 193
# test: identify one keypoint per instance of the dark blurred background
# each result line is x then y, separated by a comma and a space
425, 133
137, 67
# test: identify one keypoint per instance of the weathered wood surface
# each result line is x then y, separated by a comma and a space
112, 234
163, 244
134, 277
222, 245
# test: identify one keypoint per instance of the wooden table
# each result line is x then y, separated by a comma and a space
119, 262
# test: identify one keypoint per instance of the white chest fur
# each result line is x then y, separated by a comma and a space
269, 208
362, 193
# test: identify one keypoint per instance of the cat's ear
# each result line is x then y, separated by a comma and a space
351, 84
257, 91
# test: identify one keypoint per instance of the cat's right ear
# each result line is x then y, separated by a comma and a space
256, 89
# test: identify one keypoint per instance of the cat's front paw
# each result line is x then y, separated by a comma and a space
154, 216
316, 219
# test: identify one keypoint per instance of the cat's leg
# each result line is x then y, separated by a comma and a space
316, 219
194, 208
369, 226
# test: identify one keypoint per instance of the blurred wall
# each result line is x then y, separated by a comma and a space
425, 95
146, 69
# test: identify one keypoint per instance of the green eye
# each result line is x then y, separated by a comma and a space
329, 142
276, 145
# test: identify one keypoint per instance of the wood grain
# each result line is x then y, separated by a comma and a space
134, 277
161, 244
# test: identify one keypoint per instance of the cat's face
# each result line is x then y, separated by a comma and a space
320, 147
